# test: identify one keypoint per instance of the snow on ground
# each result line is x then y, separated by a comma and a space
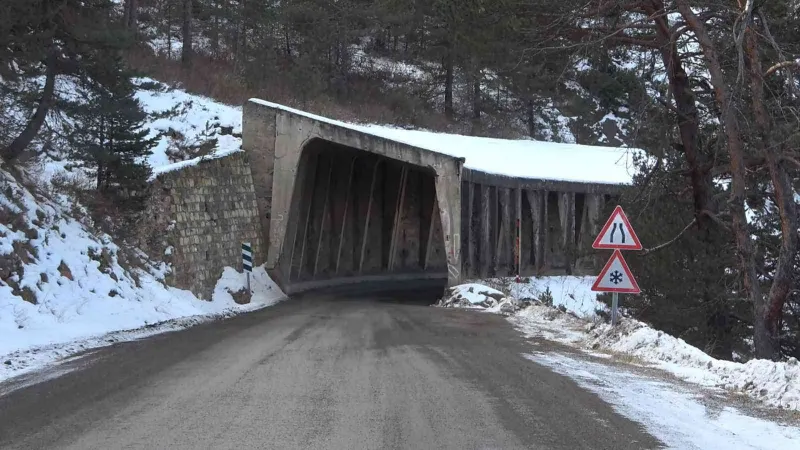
62, 282
677, 418
476, 294
516, 158
572, 292
188, 121
775, 384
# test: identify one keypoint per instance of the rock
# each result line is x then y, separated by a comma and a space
7, 362
499, 296
763, 392
65, 272
242, 296
507, 308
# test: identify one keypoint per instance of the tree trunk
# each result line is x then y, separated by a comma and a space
531, 120
126, 13
736, 151
186, 51
131, 15
215, 35
476, 96
168, 25
688, 122
18, 145
769, 313
718, 326
449, 60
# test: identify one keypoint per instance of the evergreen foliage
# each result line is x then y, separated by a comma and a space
106, 134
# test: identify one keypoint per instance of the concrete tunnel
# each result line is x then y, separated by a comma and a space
328, 204
343, 207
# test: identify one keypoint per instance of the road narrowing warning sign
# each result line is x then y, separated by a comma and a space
617, 233
616, 277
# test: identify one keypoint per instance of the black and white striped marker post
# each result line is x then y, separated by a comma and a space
247, 261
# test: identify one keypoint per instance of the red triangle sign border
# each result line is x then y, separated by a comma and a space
617, 212
616, 255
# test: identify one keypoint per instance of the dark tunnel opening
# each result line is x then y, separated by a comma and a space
362, 222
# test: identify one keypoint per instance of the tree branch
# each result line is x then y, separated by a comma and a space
648, 251
782, 65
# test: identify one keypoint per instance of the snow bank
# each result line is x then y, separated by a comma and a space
474, 294
675, 417
479, 296
571, 292
776, 384
515, 158
63, 282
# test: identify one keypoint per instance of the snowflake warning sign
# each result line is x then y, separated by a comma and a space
617, 233
616, 277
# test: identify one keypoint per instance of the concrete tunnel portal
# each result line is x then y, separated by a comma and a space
358, 216
344, 207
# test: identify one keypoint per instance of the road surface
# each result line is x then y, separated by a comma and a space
320, 372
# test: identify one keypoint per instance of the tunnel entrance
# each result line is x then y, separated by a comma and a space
362, 218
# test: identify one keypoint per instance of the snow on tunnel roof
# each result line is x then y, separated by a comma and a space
514, 158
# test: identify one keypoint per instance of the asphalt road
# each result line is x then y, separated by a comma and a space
321, 372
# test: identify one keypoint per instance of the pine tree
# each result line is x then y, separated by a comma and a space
108, 136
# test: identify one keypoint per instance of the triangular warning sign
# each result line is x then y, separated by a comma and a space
616, 277
617, 233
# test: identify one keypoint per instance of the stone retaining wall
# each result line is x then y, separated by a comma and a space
199, 216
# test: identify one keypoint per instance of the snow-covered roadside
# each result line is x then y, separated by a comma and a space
98, 328
64, 285
775, 384
676, 417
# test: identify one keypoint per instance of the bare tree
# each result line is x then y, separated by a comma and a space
186, 51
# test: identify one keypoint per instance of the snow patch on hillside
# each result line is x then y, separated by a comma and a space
187, 125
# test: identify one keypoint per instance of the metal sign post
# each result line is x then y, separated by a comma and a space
616, 277
614, 307
247, 261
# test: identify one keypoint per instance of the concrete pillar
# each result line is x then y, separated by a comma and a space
486, 247
473, 227
343, 220
566, 209
427, 219
301, 216
367, 214
258, 141
286, 162
448, 196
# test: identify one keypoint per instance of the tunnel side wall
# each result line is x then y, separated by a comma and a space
530, 227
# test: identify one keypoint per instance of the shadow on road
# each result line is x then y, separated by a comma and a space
422, 293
